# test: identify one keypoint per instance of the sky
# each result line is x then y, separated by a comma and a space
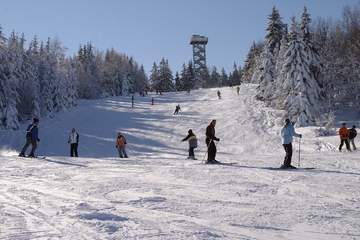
151, 29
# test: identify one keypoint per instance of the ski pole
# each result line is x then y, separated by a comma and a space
207, 151
299, 152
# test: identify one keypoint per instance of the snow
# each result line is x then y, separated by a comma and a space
158, 194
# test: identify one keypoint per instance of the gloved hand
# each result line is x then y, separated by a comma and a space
38, 140
300, 136
218, 139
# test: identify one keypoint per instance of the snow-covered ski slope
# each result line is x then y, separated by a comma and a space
158, 194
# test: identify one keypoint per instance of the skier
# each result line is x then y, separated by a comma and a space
31, 138
344, 137
238, 90
287, 134
219, 94
352, 136
177, 109
74, 142
210, 138
192, 143
121, 145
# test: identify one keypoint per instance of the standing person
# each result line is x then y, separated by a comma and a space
74, 142
177, 109
210, 138
32, 138
352, 136
219, 94
192, 143
238, 90
344, 137
121, 145
287, 134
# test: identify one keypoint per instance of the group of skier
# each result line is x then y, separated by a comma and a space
347, 137
32, 138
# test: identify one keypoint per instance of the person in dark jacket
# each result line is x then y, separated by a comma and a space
210, 138
121, 145
219, 94
352, 136
192, 143
177, 109
74, 142
32, 138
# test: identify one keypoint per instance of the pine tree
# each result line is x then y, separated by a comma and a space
165, 76
154, 77
251, 62
274, 32
214, 80
178, 83
224, 79
301, 96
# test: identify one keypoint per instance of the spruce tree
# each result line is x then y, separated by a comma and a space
301, 98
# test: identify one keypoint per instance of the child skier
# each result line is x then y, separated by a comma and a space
192, 143
31, 138
219, 94
121, 145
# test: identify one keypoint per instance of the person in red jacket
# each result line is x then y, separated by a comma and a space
344, 137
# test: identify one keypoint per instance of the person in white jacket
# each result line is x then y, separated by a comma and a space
287, 134
73, 141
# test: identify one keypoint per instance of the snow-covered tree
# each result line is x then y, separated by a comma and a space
166, 80
301, 92
275, 31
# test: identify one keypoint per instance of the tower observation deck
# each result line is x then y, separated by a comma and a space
199, 57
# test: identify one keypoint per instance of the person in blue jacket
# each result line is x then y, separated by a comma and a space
32, 138
287, 134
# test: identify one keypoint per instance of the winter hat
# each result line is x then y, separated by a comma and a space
35, 120
287, 120
354, 126
190, 131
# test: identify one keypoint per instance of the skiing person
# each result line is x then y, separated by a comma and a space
74, 142
238, 90
177, 109
210, 138
352, 136
121, 145
219, 94
287, 134
192, 143
344, 137
31, 138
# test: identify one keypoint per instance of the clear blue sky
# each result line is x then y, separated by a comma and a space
151, 29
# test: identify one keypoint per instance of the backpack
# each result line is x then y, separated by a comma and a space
352, 133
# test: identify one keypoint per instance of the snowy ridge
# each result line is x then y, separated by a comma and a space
158, 194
